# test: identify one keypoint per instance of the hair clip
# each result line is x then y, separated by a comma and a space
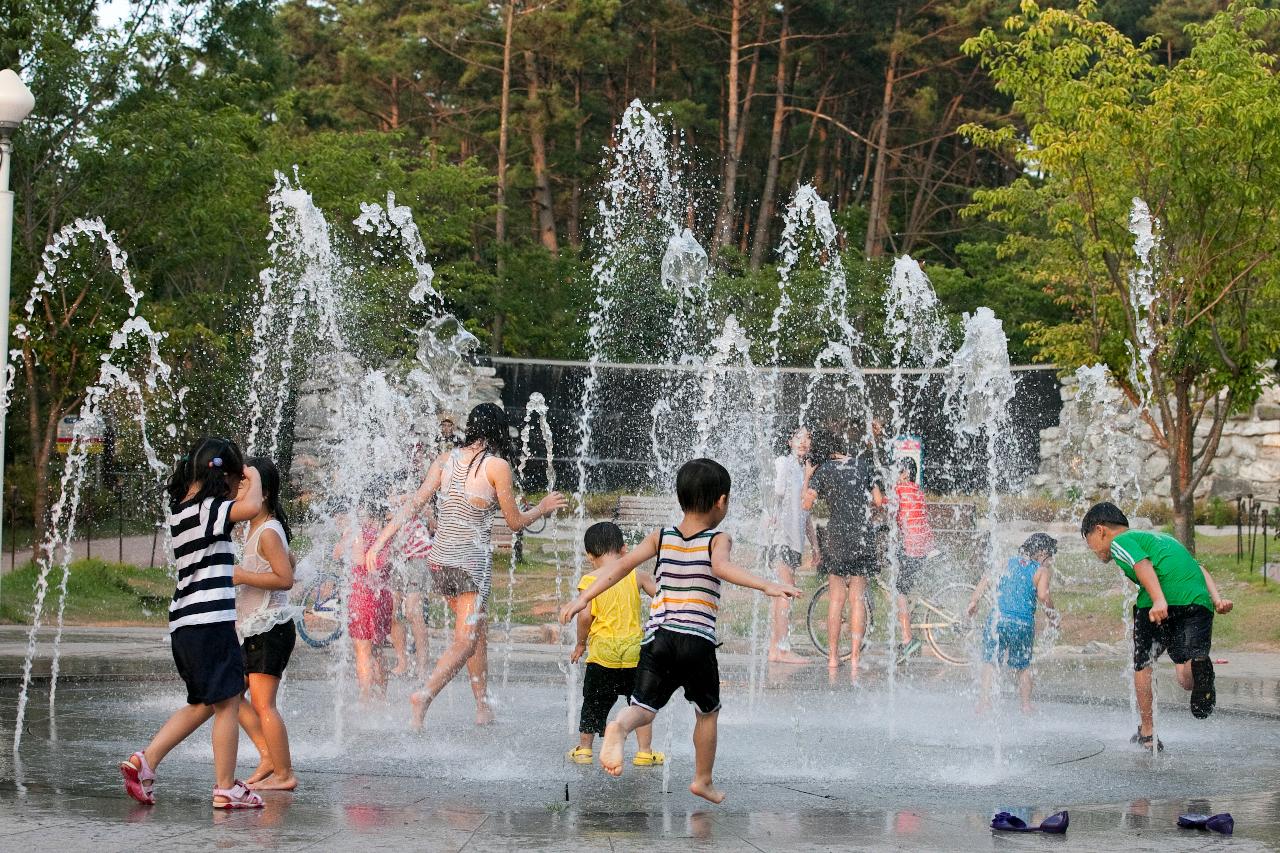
215, 462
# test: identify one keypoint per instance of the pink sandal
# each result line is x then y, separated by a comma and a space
139, 781
238, 797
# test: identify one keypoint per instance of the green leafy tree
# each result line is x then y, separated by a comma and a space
1101, 123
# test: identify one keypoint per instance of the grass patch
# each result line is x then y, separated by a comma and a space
97, 592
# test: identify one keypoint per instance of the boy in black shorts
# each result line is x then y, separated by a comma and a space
679, 648
1174, 611
610, 632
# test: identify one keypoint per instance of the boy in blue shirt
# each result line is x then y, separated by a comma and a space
1010, 633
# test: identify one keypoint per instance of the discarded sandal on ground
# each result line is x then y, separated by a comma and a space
1054, 824
580, 755
1223, 823
139, 782
649, 759
238, 797
1144, 741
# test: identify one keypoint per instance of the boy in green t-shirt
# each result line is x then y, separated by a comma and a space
1174, 611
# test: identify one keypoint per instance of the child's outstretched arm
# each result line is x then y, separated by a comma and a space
978, 592
610, 575
584, 630
1220, 604
1145, 571
723, 568
504, 486
411, 507
1042, 578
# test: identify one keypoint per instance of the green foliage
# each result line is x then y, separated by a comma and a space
97, 592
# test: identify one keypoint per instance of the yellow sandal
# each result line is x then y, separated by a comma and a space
580, 755
649, 759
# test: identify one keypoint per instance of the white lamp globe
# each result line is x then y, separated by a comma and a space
16, 100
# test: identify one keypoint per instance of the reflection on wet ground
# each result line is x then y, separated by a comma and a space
807, 766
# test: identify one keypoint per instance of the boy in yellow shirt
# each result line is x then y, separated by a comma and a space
609, 632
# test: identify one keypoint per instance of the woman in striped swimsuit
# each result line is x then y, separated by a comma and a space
473, 484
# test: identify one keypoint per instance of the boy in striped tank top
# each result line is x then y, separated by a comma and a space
679, 648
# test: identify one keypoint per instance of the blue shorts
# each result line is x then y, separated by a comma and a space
1009, 643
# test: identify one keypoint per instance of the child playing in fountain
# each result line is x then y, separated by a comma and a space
264, 620
370, 606
202, 616
679, 648
1174, 610
1009, 636
915, 542
610, 633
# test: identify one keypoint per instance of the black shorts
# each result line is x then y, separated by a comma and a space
672, 659
601, 687
1186, 634
210, 661
268, 653
850, 558
785, 555
909, 571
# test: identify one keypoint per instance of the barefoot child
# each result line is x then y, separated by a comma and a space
610, 633
1174, 611
264, 620
1009, 637
679, 648
370, 605
202, 616
915, 542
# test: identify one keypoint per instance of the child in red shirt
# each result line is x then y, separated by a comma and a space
915, 544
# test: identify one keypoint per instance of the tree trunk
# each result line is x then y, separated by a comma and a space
877, 219
543, 202
1182, 482
575, 186
504, 112
758, 245
723, 227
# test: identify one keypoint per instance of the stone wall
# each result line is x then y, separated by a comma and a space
1103, 449
316, 411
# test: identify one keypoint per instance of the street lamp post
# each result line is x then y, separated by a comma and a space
16, 102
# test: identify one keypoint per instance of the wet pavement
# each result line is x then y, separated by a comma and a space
807, 765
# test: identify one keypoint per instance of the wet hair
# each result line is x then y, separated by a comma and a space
603, 537
488, 425
700, 483
1039, 543
271, 491
1102, 513
207, 464
908, 467
824, 445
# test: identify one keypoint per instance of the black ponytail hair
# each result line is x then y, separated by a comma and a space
271, 491
207, 464
488, 425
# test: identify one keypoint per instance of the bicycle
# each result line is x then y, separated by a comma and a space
940, 618
320, 622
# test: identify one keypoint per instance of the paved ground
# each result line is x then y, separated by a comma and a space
808, 765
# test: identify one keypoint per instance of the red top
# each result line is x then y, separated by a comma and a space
913, 520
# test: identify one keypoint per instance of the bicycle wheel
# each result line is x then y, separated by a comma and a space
321, 620
941, 616
817, 619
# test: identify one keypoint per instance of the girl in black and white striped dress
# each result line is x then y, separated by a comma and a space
473, 484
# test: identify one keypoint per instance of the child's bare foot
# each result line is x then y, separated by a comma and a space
611, 750
277, 783
833, 663
401, 668
705, 790
484, 716
788, 657
420, 702
265, 769
1028, 708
